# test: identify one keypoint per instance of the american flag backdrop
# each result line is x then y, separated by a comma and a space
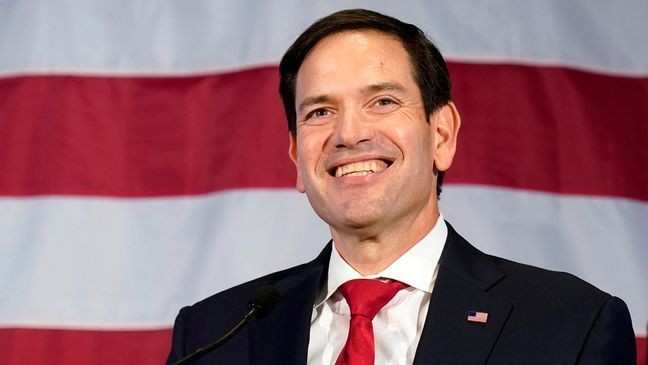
143, 156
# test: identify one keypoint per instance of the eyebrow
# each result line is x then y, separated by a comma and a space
383, 86
312, 100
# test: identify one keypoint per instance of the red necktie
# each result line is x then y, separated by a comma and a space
365, 297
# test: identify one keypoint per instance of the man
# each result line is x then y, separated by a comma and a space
372, 128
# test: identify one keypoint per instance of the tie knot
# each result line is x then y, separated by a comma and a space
366, 297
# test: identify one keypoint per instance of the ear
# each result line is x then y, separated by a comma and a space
292, 152
447, 122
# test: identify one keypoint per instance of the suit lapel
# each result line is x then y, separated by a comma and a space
282, 336
465, 275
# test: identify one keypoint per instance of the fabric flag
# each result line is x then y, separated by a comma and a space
143, 160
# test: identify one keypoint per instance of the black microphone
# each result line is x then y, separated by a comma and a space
264, 302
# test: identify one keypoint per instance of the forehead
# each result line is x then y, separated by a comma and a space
355, 57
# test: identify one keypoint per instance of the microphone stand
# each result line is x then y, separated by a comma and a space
249, 315
264, 302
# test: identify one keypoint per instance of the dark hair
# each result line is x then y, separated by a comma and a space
429, 68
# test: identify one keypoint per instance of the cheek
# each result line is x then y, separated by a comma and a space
411, 137
310, 147
305, 171
417, 145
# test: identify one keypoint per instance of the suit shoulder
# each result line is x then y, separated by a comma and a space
564, 313
547, 281
512, 279
557, 297
210, 318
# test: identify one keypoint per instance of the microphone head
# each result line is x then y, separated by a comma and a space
265, 300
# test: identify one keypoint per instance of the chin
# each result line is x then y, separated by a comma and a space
355, 220
351, 214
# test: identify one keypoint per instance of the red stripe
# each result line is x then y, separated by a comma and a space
552, 129
642, 350
539, 128
75, 347
142, 136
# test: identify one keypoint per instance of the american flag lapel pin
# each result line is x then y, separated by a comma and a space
477, 317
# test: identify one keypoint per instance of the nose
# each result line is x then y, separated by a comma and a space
351, 130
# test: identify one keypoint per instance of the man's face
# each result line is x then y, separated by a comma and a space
364, 151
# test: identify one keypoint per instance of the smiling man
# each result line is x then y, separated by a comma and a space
367, 152
372, 128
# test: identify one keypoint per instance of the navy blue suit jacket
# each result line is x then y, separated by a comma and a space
535, 316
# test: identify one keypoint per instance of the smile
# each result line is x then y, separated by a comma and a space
361, 168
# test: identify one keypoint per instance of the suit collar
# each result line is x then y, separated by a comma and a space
468, 263
465, 277
282, 336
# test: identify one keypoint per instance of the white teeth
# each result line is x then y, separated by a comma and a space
362, 168
360, 173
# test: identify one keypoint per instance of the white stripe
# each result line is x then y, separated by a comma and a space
132, 263
111, 263
190, 37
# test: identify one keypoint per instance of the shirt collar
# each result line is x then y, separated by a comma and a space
417, 267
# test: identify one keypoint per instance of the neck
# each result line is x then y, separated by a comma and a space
370, 253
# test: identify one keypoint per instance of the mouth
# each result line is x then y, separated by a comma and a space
360, 168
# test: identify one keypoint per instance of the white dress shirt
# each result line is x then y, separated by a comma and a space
398, 326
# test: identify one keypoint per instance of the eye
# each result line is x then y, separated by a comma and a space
318, 113
384, 102
384, 105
